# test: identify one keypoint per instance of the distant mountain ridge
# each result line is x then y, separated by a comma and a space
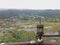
27, 12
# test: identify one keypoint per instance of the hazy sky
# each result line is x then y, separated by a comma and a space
29, 4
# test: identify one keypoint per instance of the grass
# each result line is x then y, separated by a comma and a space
31, 35
55, 26
51, 38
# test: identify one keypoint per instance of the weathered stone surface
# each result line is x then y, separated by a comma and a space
36, 43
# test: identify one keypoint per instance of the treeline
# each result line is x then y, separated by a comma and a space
27, 13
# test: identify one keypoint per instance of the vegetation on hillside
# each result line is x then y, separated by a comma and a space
20, 25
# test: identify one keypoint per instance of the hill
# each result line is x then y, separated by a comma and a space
26, 13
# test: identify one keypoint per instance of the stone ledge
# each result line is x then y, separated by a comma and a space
36, 43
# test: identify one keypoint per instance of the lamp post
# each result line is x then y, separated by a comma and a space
39, 31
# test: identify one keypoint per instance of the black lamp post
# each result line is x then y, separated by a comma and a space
39, 30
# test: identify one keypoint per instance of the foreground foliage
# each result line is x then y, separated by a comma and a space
16, 36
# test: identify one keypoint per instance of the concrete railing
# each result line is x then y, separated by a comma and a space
36, 43
51, 35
